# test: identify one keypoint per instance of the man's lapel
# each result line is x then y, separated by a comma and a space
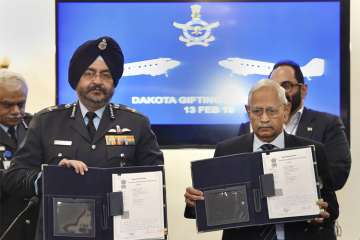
248, 143
6, 140
305, 128
21, 131
290, 141
79, 125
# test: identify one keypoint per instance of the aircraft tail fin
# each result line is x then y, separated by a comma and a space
314, 68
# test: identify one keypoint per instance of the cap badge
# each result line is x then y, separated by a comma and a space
103, 44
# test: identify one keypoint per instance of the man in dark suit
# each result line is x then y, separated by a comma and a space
13, 126
91, 132
320, 126
268, 110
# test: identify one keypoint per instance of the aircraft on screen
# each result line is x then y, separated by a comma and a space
244, 67
152, 67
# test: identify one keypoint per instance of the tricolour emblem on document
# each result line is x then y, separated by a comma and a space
196, 31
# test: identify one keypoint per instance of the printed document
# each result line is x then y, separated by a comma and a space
295, 183
143, 216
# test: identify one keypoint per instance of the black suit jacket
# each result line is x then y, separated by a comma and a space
329, 130
10, 206
295, 230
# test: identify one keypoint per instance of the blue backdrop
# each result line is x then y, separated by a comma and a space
199, 90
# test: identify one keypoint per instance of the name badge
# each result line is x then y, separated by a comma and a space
113, 140
62, 142
6, 164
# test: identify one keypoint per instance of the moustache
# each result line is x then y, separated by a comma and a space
96, 88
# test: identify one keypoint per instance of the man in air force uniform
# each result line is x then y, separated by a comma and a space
91, 132
14, 123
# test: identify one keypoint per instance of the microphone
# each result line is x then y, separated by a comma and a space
34, 200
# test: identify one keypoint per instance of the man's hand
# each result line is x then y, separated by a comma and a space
192, 195
323, 213
79, 166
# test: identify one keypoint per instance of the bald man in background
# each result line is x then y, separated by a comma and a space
13, 126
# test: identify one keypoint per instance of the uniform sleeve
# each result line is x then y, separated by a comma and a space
26, 164
337, 152
147, 150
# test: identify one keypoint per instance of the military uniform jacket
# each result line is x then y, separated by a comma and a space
10, 206
7, 143
123, 138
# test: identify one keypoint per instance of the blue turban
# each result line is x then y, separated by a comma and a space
85, 55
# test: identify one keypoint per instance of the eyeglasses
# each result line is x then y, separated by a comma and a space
288, 86
89, 75
270, 112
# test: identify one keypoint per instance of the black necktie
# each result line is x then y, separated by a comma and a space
269, 232
267, 147
90, 126
12, 132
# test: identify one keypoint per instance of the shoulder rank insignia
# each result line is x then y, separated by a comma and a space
123, 107
116, 106
52, 108
131, 109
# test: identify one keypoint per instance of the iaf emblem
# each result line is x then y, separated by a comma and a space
196, 31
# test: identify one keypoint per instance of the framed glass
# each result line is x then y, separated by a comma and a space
74, 217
